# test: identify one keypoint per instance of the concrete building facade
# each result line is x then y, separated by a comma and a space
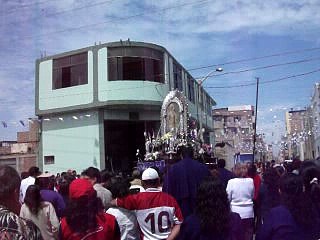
96, 103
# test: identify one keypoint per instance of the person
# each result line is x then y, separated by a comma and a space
295, 218
183, 178
269, 195
240, 193
40, 212
46, 183
136, 185
212, 219
126, 219
158, 214
224, 174
85, 217
11, 225
93, 175
26, 182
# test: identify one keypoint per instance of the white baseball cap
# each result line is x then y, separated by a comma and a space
149, 174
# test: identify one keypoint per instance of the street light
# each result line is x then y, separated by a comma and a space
200, 82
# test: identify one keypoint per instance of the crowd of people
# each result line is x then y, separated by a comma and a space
189, 201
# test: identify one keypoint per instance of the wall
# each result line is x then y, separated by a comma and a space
63, 97
73, 143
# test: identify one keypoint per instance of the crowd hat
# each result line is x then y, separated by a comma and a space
45, 175
149, 174
80, 187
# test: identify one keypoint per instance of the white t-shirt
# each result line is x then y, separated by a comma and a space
25, 183
127, 222
240, 193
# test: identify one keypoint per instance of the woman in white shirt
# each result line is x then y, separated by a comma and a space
40, 212
240, 193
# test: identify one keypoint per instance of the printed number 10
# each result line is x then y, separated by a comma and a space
151, 218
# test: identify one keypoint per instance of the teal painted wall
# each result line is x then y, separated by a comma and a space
74, 143
126, 90
64, 97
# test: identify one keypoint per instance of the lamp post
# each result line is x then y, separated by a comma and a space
200, 82
255, 124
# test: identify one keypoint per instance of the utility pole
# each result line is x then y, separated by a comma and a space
255, 121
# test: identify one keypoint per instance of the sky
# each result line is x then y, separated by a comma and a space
276, 41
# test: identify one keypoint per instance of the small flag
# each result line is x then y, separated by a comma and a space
4, 124
22, 123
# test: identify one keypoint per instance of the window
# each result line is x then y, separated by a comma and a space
177, 77
70, 71
135, 63
48, 160
191, 89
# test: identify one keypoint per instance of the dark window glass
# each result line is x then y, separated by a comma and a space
70, 71
135, 63
191, 89
177, 77
48, 160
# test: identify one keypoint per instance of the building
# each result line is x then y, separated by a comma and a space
314, 120
96, 103
22, 154
298, 128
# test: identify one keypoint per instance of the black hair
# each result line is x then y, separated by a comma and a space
212, 207
298, 203
92, 172
120, 188
252, 170
33, 199
34, 171
9, 182
45, 182
187, 151
221, 163
81, 213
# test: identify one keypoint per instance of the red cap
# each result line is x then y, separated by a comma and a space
80, 187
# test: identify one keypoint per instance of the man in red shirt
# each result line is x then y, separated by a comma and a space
158, 214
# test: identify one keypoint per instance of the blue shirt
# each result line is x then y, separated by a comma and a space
55, 199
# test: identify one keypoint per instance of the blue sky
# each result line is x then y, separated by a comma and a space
197, 33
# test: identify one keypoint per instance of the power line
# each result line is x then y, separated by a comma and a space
67, 10
26, 5
269, 81
118, 19
262, 67
255, 58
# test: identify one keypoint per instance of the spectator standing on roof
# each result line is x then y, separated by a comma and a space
183, 178
11, 225
158, 214
26, 182
93, 175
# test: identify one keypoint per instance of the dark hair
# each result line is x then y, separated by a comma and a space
212, 207
311, 179
34, 171
252, 170
187, 151
92, 172
9, 182
24, 175
298, 203
221, 163
271, 179
81, 213
120, 188
45, 182
151, 183
33, 199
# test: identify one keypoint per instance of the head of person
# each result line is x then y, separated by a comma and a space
294, 198
83, 206
45, 181
221, 163
92, 174
187, 151
136, 174
241, 170
252, 170
34, 171
311, 180
212, 206
150, 178
9, 187
120, 188
33, 199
